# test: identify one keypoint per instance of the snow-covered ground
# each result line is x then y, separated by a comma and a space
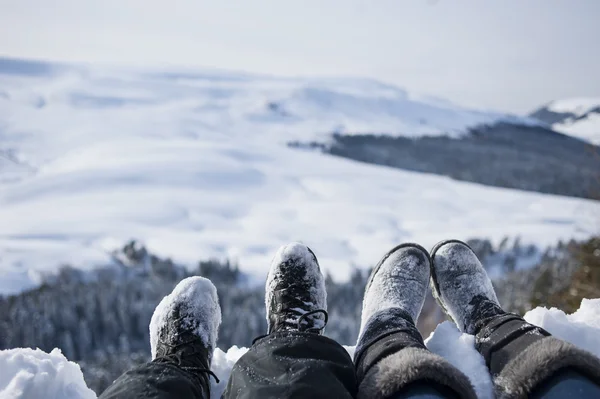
585, 124
196, 165
31, 373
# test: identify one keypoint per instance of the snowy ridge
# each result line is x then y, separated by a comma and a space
196, 165
577, 117
576, 106
30, 374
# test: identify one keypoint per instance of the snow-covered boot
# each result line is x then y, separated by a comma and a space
296, 299
390, 354
184, 329
520, 355
461, 286
294, 360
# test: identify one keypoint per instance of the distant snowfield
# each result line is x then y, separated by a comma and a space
196, 166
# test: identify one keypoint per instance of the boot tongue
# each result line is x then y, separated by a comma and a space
294, 311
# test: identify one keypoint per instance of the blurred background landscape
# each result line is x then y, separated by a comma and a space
141, 144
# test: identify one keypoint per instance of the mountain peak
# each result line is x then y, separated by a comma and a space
577, 117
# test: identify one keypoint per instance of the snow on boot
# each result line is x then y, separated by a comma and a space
184, 328
521, 356
296, 299
461, 285
390, 353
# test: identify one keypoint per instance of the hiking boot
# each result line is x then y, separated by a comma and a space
296, 299
184, 328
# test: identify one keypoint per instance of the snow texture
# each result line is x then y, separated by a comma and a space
199, 310
34, 374
299, 254
581, 328
458, 348
196, 165
31, 374
401, 281
460, 277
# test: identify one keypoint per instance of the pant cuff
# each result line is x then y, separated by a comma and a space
395, 372
539, 362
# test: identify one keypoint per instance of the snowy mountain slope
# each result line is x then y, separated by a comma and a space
196, 165
577, 117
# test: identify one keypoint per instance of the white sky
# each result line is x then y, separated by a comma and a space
511, 55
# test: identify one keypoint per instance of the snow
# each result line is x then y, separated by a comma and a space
581, 328
588, 126
34, 374
195, 299
196, 165
587, 129
30, 374
459, 349
578, 106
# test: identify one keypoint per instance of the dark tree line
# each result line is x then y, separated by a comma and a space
523, 157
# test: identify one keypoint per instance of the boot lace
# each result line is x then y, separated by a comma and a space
186, 352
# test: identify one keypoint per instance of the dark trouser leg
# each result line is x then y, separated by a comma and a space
525, 360
393, 362
567, 384
158, 381
423, 390
289, 364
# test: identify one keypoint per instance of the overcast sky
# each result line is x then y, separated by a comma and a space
511, 55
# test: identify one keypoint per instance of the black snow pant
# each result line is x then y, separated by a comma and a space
280, 365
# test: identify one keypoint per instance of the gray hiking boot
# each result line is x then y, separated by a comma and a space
461, 285
399, 281
296, 299
390, 353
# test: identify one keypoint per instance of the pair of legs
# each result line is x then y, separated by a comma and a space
294, 359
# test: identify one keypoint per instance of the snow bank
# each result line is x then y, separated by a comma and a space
35, 374
581, 328
28, 373
448, 342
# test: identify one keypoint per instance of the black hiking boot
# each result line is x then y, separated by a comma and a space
296, 299
184, 329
